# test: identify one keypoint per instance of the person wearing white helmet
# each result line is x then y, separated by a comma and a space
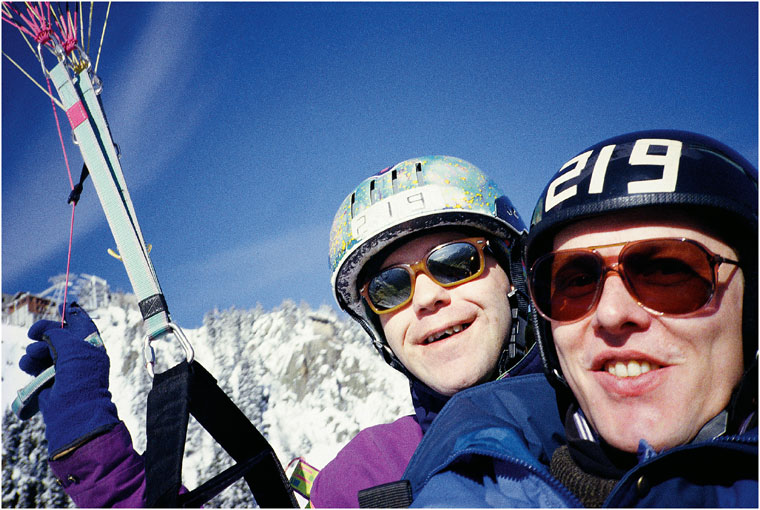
425, 255
642, 260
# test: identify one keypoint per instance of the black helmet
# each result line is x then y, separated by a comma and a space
653, 168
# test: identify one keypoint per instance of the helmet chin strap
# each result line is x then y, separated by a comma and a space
375, 333
517, 344
381, 345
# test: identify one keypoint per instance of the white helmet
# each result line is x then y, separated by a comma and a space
415, 196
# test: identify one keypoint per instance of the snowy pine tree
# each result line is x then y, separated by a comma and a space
309, 380
27, 479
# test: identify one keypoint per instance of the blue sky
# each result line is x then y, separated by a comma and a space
242, 126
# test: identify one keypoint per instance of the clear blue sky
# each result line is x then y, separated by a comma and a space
242, 126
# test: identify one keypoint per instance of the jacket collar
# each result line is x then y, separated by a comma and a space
427, 403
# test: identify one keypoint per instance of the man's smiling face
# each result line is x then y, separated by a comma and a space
449, 338
641, 375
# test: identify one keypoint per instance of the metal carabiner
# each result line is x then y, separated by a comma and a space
149, 355
184, 342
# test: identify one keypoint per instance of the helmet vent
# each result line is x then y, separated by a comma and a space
418, 170
394, 182
353, 201
372, 198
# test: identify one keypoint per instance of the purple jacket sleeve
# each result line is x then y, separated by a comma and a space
105, 472
375, 456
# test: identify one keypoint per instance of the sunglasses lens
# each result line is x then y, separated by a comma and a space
389, 289
449, 265
565, 284
668, 275
454, 262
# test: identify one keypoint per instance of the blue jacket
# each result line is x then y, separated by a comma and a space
380, 454
491, 446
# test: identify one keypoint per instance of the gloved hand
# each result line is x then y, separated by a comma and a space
77, 406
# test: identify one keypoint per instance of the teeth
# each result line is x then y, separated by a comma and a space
631, 369
447, 332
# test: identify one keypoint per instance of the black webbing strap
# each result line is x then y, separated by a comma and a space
166, 428
203, 493
388, 495
76, 191
190, 389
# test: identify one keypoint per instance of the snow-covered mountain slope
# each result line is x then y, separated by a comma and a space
308, 379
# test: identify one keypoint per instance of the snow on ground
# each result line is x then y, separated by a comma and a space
342, 386
14, 342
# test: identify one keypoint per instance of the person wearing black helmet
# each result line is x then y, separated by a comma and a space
642, 260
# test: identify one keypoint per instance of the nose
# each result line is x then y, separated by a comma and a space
428, 295
617, 310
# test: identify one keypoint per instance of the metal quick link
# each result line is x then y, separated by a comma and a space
150, 355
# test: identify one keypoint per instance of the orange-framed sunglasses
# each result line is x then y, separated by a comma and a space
449, 264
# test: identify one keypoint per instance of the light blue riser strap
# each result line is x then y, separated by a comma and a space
26, 403
144, 280
96, 145
108, 181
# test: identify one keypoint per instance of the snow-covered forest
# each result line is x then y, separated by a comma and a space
308, 379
